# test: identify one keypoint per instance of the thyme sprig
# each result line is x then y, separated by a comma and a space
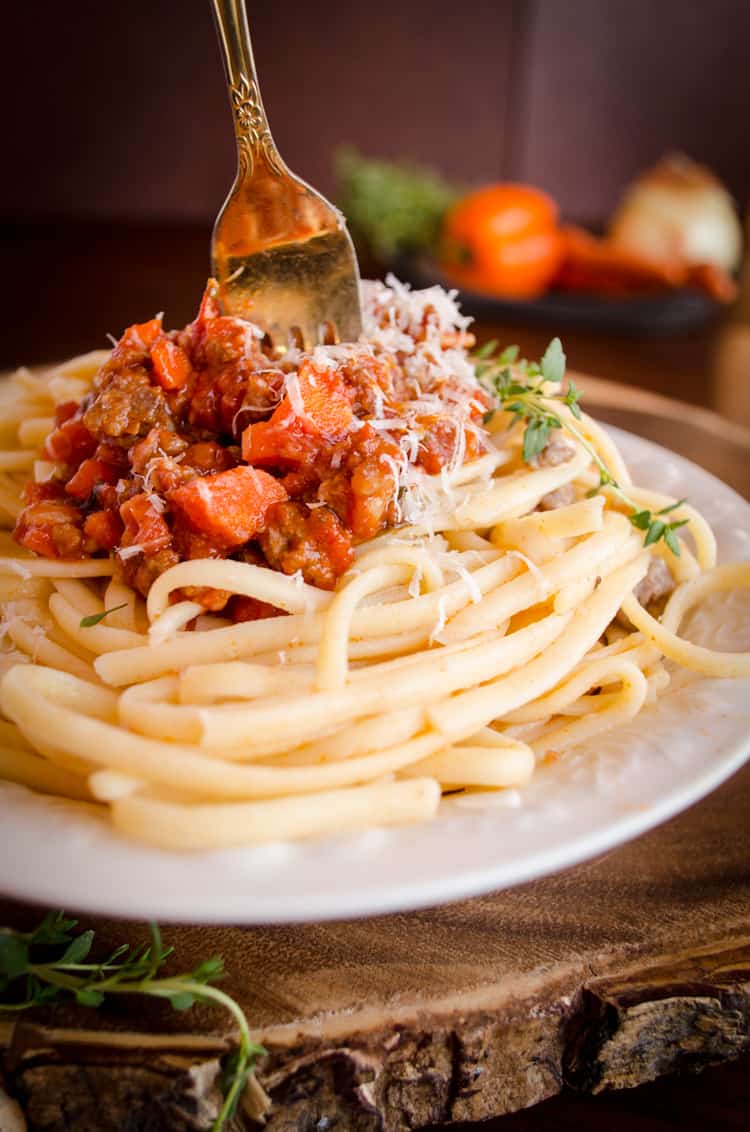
522, 389
51, 964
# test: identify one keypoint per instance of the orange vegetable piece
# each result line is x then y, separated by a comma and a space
104, 528
209, 307
286, 439
51, 528
229, 507
171, 364
141, 335
144, 525
597, 264
327, 411
278, 444
502, 240
70, 443
90, 473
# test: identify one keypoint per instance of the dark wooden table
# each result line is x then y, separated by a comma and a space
618, 971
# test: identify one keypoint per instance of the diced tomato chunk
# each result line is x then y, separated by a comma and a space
104, 529
141, 335
51, 528
90, 473
64, 411
37, 492
251, 609
209, 307
271, 444
327, 411
230, 507
144, 525
171, 364
70, 443
291, 438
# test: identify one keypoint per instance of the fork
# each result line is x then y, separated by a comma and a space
280, 252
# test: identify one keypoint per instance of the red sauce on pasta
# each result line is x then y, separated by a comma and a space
194, 444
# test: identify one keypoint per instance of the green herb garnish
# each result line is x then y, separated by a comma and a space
519, 387
51, 964
96, 618
392, 207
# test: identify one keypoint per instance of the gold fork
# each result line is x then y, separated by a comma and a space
280, 252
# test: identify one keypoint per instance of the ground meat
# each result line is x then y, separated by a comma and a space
208, 457
114, 454
128, 405
212, 600
442, 443
557, 450
189, 544
165, 475
562, 497
657, 583
158, 442
302, 484
360, 484
226, 354
369, 385
52, 528
313, 541
264, 389
142, 570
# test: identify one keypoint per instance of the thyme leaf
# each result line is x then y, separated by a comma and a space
97, 618
530, 392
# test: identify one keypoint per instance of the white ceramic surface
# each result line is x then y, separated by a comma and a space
614, 789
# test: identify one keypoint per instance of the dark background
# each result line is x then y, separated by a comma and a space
118, 110
118, 147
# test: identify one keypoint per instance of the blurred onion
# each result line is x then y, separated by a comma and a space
679, 211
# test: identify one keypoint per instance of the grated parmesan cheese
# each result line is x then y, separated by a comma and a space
469, 581
534, 569
156, 502
126, 552
440, 623
294, 393
415, 583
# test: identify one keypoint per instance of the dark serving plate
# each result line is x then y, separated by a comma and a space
670, 313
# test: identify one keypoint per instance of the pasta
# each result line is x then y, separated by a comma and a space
495, 613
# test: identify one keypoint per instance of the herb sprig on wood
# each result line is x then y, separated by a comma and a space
521, 388
51, 964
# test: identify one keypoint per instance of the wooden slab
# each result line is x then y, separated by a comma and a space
604, 976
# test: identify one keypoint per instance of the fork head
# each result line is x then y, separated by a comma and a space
285, 262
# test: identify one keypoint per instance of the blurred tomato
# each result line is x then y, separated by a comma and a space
502, 240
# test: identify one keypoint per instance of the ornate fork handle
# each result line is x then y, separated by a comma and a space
254, 140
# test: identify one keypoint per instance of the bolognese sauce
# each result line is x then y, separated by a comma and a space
196, 444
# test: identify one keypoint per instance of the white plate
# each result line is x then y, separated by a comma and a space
623, 784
